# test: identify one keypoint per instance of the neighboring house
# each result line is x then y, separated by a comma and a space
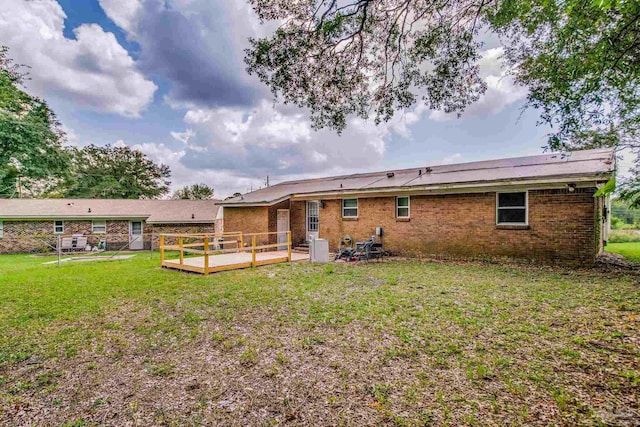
537, 208
33, 225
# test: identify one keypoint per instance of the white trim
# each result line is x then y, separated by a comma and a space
356, 208
518, 186
526, 207
451, 188
93, 226
138, 239
312, 234
55, 226
408, 207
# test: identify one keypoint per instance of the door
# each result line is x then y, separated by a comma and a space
313, 219
136, 242
283, 227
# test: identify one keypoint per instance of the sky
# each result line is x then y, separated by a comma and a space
167, 77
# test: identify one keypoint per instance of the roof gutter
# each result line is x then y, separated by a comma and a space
254, 204
473, 187
457, 188
75, 217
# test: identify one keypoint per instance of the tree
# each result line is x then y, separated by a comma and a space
194, 192
372, 57
30, 135
114, 173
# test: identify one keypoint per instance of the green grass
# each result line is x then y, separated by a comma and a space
394, 343
629, 250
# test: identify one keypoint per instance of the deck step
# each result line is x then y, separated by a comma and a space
304, 249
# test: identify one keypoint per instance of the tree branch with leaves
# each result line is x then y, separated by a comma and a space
368, 58
31, 137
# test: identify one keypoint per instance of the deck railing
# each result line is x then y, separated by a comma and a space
208, 245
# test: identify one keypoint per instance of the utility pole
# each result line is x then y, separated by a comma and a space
267, 180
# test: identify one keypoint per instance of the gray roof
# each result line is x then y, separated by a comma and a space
153, 211
595, 165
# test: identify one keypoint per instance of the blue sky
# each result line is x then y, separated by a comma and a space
166, 77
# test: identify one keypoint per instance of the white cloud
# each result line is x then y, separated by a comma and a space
183, 136
454, 158
235, 149
275, 138
501, 89
223, 181
93, 70
122, 12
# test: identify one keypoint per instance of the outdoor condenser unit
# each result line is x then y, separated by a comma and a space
319, 250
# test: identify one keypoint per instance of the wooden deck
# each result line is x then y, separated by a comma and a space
210, 253
232, 261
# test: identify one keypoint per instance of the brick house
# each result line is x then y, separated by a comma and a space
535, 208
34, 225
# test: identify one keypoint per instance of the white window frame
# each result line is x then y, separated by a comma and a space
100, 222
408, 207
1, 229
526, 207
356, 208
55, 226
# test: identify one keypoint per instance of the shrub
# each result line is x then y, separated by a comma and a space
623, 237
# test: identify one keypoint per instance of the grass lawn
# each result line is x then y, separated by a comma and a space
398, 343
629, 250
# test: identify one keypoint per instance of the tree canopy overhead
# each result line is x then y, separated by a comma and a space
369, 58
581, 63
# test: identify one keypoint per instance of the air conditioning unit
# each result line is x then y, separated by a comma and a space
319, 250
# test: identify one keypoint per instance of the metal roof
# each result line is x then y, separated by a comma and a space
153, 211
595, 164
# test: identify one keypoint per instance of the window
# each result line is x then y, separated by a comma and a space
402, 207
512, 209
1, 229
98, 227
349, 208
58, 227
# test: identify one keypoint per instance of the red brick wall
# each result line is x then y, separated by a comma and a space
298, 223
562, 226
246, 220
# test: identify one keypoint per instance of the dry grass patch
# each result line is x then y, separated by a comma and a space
398, 343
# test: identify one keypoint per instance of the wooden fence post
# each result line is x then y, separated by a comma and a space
253, 250
180, 244
289, 245
240, 242
162, 249
206, 255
